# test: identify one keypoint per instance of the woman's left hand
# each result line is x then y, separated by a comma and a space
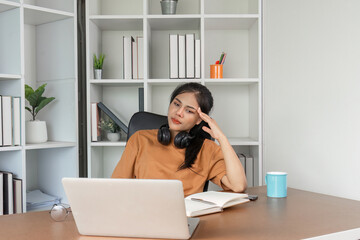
214, 129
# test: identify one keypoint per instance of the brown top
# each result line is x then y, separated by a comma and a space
145, 158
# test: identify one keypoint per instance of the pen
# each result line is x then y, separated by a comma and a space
221, 57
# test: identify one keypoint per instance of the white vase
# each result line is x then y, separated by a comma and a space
113, 137
98, 73
36, 131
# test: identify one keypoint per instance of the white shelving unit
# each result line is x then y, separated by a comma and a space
39, 45
232, 26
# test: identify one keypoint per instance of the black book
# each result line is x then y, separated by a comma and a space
8, 192
141, 99
113, 117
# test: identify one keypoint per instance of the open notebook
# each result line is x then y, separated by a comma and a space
211, 202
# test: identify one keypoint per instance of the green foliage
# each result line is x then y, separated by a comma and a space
98, 62
109, 126
36, 100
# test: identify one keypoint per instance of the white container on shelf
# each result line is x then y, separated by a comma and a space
36, 131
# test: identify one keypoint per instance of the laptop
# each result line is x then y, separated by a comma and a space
129, 207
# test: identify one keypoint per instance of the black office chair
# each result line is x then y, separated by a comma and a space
145, 121
148, 120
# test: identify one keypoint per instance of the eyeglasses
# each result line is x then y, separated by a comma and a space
59, 212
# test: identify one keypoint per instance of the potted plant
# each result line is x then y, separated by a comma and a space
36, 131
112, 129
168, 6
98, 65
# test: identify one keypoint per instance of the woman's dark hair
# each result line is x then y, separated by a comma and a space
205, 100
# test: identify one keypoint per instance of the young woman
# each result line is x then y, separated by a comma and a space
179, 150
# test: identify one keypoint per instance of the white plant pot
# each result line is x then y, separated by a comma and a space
113, 137
98, 73
36, 131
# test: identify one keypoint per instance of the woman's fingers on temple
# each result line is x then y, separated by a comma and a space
203, 116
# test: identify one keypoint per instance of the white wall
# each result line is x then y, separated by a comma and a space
312, 94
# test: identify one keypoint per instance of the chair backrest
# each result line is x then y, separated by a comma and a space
148, 120
144, 121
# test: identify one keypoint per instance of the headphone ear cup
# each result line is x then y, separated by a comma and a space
164, 136
182, 139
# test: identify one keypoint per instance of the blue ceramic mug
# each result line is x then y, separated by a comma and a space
276, 184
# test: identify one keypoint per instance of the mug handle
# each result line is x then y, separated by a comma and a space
266, 179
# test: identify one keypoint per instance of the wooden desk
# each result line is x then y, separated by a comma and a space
301, 215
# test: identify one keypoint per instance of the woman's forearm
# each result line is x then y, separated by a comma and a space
235, 177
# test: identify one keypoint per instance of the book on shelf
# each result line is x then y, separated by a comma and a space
16, 121
1, 194
134, 59
113, 117
173, 56
197, 58
1, 132
8, 194
127, 57
141, 99
6, 121
190, 55
95, 118
212, 202
18, 198
140, 57
182, 61
248, 163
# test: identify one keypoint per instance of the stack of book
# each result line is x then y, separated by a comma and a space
10, 121
184, 56
37, 200
10, 194
133, 58
248, 163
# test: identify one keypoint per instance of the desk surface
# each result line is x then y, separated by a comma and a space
301, 215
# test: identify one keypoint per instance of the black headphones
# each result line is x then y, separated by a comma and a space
182, 139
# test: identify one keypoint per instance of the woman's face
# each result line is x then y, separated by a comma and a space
182, 112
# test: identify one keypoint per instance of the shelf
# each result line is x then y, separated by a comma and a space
243, 141
9, 76
118, 23
172, 81
8, 5
39, 15
108, 144
11, 148
50, 144
240, 81
117, 82
175, 23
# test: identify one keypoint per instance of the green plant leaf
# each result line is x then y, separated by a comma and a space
34, 97
28, 91
43, 103
36, 100
98, 62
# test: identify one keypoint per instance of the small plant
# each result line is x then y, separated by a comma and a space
36, 100
98, 62
109, 126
